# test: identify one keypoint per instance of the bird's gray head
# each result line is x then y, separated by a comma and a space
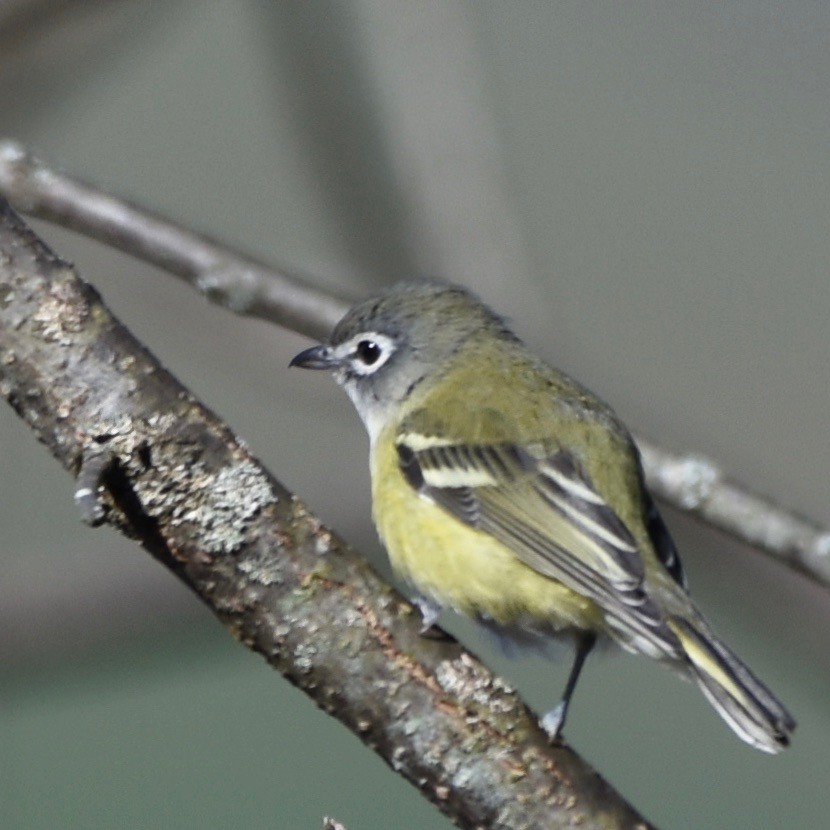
387, 345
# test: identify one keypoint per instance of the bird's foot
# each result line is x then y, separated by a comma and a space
430, 612
554, 720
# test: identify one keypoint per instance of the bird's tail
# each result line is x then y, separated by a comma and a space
755, 714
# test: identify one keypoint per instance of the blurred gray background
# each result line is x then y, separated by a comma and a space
643, 188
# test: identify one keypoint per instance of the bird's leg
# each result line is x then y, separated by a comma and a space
430, 612
554, 720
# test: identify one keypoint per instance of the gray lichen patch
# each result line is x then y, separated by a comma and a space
467, 680
62, 313
219, 505
188, 480
262, 566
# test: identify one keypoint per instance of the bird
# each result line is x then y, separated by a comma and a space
504, 490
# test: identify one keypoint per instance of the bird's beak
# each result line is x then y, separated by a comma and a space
317, 357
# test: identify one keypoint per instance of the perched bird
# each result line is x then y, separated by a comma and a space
508, 492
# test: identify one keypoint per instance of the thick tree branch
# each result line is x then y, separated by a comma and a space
688, 482
166, 471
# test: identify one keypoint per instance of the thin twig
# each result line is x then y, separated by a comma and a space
227, 278
175, 478
697, 485
688, 482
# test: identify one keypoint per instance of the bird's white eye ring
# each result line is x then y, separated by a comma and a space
368, 352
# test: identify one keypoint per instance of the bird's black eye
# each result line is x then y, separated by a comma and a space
368, 352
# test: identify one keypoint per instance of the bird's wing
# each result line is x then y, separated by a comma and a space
663, 543
542, 505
